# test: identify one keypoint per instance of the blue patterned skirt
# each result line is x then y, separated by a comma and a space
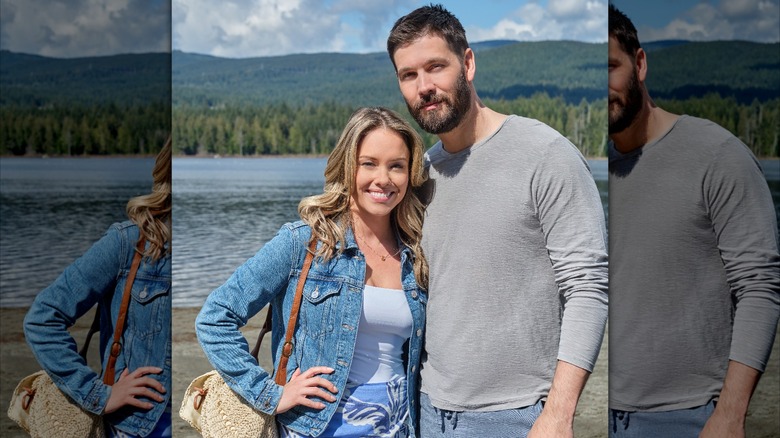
162, 429
368, 410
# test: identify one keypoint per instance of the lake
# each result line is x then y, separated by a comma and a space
52, 211
224, 210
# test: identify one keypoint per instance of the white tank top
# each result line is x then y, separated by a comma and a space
385, 324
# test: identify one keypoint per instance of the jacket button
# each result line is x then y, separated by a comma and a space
315, 294
419, 332
414, 294
143, 294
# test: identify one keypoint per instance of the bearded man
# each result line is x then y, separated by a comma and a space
515, 240
695, 270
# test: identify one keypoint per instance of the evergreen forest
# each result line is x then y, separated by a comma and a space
298, 104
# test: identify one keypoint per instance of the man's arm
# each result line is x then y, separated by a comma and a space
743, 219
572, 219
728, 419
557, 417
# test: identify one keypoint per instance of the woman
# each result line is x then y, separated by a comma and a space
353, 370
138, 403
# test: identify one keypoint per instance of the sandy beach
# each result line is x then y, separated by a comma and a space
16, 361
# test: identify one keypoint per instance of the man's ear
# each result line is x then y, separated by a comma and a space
640, 62
470, 64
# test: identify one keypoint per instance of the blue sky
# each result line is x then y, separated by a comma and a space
243, 28
246, 28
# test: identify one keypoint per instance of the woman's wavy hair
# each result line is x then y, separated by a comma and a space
152, 212
328, 214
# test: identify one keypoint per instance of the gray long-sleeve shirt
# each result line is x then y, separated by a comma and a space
695, 271
515, 240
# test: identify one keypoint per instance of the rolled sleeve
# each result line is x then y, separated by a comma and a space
744, 222
572, 220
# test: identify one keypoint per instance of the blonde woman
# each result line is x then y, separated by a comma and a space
138, 403
354, 368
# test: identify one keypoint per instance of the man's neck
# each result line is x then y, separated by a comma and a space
650, 124
480, 122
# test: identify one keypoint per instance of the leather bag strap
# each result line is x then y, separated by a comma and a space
266, 329
116, 346
94, 328
287, 347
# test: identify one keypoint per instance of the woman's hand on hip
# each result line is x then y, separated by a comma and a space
132, 385
303, 385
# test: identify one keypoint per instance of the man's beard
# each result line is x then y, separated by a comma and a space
449, 114
624, 116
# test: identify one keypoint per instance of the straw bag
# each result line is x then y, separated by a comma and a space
43, 411
214, 410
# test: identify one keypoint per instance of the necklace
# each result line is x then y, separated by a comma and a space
383, 257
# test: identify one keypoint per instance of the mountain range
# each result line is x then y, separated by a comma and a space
505, 70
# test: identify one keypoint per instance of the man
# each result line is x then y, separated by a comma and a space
695, 271
515, 241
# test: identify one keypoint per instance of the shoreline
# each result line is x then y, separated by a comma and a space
591, 418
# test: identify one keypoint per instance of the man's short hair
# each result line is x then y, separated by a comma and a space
623, 30
428, 20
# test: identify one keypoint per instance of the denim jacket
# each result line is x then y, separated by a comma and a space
327, 324
99, 276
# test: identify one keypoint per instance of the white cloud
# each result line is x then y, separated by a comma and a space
739, 8
561, 19
753, 20
244, 27
85, 27
376, 18
247, 28
566, 8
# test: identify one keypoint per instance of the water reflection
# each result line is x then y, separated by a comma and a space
52, 211
224, 210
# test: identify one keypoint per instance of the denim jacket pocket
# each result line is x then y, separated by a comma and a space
149, 300
321, 297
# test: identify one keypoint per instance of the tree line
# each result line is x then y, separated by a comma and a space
104, 129
757, 124
314, 129
276, 129
281, 128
